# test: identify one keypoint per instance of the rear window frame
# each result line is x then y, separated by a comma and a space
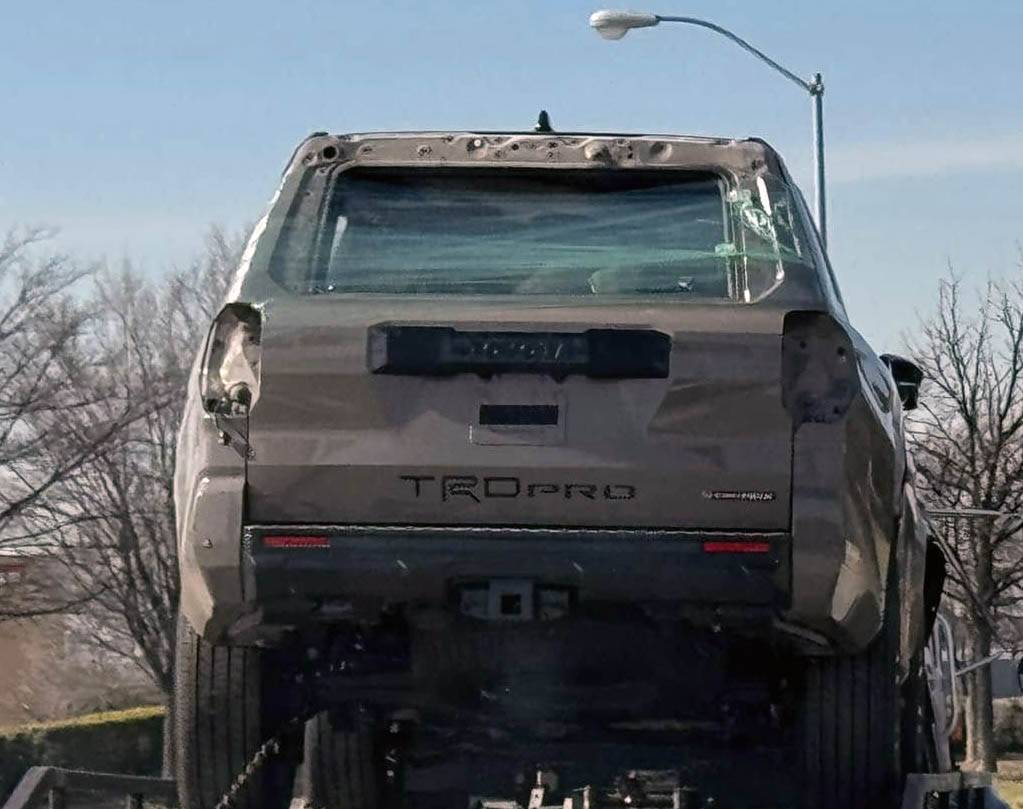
315, 186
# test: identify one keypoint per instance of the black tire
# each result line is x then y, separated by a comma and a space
341, 765
227, 702
850, 726
919, 753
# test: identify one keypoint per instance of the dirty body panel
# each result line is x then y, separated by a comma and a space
594, 426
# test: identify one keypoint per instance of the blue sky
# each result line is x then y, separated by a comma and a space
132, 125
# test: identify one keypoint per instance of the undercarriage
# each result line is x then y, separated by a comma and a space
462, 709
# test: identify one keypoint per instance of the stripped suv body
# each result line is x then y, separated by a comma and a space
479, 381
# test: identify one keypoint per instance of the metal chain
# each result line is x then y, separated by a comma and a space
267, 750
274, 744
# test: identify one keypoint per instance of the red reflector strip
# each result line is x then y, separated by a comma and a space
736, 547
296, 541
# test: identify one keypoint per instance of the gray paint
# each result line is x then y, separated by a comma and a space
327, 441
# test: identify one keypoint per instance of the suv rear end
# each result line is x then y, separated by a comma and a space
477, 400
482, 353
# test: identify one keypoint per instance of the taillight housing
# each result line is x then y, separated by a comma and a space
229, 382
736, 546
820, 375
295, 541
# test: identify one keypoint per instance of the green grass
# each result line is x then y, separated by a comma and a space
1009, 781
1010, 791
128, 741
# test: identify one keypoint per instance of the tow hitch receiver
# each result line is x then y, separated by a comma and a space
513, 600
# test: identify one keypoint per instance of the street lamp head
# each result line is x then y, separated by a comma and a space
616, 24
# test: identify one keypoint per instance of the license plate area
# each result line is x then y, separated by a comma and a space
539, 421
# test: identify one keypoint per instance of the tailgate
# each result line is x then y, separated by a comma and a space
345, 433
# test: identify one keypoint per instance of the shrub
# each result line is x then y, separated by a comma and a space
1009, 725
115, 741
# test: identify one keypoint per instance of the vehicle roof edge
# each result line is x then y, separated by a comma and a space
527, 148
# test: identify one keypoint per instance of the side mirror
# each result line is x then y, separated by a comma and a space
907, 379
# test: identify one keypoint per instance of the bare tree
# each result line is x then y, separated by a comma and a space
109, 521
968, 446
113, 520
41, 324
91, 395
50, 669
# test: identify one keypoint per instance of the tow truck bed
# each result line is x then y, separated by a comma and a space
632, 790
960, 790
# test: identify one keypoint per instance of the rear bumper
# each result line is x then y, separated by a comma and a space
373, 565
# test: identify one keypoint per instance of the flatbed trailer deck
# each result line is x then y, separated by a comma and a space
922, 791
54, 787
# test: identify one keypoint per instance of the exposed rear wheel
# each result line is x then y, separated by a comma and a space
922, 749
850, 730
852, 721
341, 764
227, 702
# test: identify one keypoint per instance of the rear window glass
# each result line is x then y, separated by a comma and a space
532, 232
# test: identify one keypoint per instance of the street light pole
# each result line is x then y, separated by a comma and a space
616, 24
816, 91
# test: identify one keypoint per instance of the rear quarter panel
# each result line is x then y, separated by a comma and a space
848, 515
209, 485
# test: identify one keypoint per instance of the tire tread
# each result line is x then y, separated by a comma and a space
220, 719
340, 764
850, 728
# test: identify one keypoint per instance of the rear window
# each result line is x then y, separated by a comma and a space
557, 232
